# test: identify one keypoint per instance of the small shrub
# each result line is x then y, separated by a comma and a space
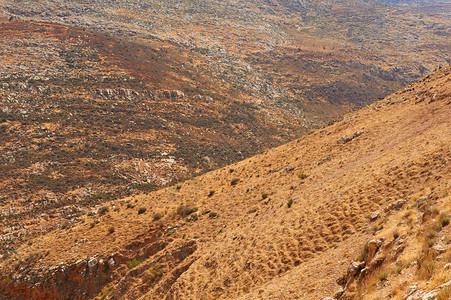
211, 193
105, 292
212, 214
103, 210
382, 276
106, 267
92, 224
444, 293
245, 289
234, 181
65, 225
289, 203
111, 230
178, 187
395, 233
364, 253
156, 270
444, 220
264, 195
141, 210
301, 175
157, 216
426, 264
133, 263
185, 210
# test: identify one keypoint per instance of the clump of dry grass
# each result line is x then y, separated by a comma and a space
185, 210
444, 294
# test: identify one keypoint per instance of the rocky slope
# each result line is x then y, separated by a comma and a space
104, 99
289, 223
87, 117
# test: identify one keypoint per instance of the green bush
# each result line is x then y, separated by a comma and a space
444, 220
133, 263
364, 253
301, 175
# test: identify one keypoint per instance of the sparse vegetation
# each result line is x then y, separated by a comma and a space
289, 203
364, 253
105, 292
264, 196
111, 230
133, 264
185, 210
444, 220
211, 193
103, 210
142, 210
156, 270
302, 175
157, 216
444, 294
382, 276
234, 181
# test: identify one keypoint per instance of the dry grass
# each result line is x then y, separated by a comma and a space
277, 252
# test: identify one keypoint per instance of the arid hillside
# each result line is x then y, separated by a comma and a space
290, 52
100, 100
87, 117
357, 209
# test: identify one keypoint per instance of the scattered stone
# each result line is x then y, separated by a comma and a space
373, 247
439, 248
397, 205
422, 199
111, 262
374, 215
92, 263
356, 267
346, 139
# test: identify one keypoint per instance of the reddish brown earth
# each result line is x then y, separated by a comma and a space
107, 99
285, 224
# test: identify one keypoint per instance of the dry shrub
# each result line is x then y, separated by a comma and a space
426, 264
185, 210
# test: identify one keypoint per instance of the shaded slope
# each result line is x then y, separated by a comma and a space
283, 224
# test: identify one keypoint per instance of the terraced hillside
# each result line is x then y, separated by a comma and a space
284, 224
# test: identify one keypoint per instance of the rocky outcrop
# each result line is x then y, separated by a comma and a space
79, 280
413, 293
378, 252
